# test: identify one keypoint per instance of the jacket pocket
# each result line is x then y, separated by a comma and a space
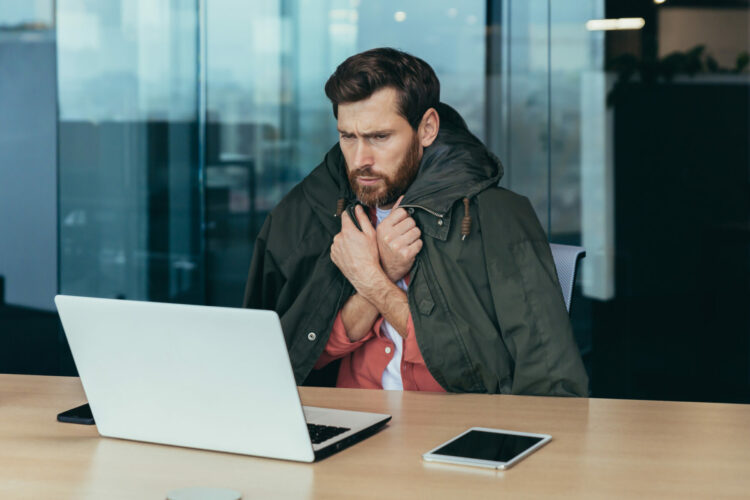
423, 298
443, 349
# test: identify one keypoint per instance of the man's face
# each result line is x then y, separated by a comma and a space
381, 150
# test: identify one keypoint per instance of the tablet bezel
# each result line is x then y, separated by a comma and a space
431, 456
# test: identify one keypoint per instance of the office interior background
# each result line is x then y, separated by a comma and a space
143, 142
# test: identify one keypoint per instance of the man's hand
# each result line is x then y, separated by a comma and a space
399, 242
355, 252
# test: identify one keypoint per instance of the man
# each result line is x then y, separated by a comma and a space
401, 256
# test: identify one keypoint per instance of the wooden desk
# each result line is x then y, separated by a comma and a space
600, 449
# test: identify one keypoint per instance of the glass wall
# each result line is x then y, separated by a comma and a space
28, 260
29, 341
130, 175
183, 123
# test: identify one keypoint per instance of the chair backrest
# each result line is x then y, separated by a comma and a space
566, 261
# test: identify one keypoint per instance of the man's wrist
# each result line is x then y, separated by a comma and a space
390, 301
392, 278
376, 287
392, 275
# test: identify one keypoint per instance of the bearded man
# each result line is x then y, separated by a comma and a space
400, 256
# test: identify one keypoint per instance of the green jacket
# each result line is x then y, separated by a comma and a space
487, 309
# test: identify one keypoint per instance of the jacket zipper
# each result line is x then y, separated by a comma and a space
423, 208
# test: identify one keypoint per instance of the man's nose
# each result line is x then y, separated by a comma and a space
363, 156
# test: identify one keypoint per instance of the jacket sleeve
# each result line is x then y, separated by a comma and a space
291, 273
264, 280
339, 345
534, 322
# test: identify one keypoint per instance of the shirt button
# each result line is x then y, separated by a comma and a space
387, 350
410, 210
440, 222
311, 336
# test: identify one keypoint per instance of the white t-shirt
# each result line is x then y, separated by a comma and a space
392, 374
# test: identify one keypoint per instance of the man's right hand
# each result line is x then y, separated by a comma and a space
399, 242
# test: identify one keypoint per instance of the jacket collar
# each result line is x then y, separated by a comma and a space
457, 165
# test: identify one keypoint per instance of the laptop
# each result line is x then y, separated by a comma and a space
204, 377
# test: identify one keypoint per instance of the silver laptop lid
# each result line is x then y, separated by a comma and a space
197, 376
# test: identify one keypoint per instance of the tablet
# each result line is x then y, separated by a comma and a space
483, 447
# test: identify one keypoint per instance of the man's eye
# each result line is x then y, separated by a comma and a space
381, 137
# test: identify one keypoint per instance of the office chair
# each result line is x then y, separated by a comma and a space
566, 259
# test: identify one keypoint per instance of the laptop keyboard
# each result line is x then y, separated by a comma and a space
320, 433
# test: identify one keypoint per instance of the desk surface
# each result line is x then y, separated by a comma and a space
600, 449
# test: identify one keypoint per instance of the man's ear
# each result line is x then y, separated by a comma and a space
428, 127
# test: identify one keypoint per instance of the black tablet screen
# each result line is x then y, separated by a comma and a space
488, 446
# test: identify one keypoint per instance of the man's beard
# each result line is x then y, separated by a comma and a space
376, 196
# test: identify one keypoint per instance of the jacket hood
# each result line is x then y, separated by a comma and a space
456, 165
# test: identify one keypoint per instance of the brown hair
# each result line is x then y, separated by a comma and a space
363, 74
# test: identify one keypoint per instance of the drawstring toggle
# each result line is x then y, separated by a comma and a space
466, 221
